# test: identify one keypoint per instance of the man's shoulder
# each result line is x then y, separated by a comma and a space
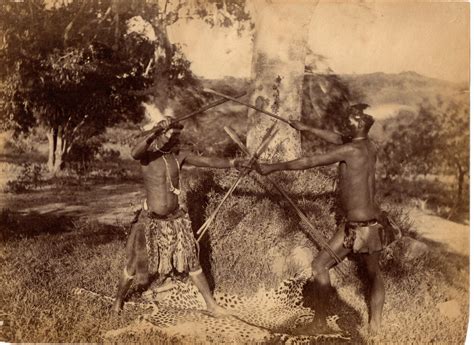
182, 155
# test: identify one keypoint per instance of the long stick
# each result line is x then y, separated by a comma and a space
300, 213
201, 110
247, 105
269, 135
207, 107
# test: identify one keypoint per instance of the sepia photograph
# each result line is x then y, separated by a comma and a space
234, 171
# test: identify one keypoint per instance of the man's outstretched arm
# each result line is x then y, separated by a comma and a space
337, 155
329, 136
210, 162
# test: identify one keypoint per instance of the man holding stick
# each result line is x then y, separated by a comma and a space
161, 240
362, 233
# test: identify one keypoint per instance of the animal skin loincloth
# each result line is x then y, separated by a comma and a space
160, 245
369, 236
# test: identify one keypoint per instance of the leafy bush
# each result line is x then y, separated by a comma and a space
29, 178
105, 154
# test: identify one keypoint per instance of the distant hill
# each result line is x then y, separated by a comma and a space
389, 93
386, 93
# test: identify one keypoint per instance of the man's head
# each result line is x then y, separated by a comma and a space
170, 137
357, 122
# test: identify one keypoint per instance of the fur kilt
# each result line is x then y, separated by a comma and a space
159, 245
370, 236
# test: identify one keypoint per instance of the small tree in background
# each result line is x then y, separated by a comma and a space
70, 70
434, 141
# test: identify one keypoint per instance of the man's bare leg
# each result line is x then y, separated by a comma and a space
124, 284
199, 279
377, 291
322, 284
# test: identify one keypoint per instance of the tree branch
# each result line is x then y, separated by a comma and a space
67, 148
116, 18
165, 8
79, 125
67, 123
69, 26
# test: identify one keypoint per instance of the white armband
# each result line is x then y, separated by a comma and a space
195, 273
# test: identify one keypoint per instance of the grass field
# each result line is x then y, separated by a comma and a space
62, 237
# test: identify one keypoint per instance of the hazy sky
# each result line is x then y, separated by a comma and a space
428, 38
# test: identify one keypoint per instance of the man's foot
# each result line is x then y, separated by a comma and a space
117, 307
218, 311
373, 329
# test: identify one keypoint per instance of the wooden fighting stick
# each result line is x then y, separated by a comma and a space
233, 99
196, 112
320, 241
269, 135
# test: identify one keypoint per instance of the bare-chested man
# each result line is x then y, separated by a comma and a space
362, 232
161, 240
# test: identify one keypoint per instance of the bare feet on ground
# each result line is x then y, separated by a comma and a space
374, 327
117, 307
218, 311
371, 333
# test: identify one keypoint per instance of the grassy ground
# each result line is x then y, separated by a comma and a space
61, 238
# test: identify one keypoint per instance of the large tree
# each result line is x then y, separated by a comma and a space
278, 66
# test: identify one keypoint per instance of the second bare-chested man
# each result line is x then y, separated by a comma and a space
362, 233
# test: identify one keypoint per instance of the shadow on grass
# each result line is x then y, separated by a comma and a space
15, 226
441, 258
438, 258
197, 200
349, 320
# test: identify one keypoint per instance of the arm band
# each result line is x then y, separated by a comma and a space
195, 273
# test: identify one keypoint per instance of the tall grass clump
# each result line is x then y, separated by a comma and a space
257, 239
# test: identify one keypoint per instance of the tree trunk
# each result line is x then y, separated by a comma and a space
461, 174
163, 60
56, 150
278, 71
51, 135
264, 227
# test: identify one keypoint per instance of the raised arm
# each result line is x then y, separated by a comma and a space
339, 154
329, 136
144, 141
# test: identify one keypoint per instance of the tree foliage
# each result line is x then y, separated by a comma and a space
433, 141
63, 65
76, 67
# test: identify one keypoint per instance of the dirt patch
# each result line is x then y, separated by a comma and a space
453, 235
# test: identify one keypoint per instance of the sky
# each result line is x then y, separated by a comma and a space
429, 38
